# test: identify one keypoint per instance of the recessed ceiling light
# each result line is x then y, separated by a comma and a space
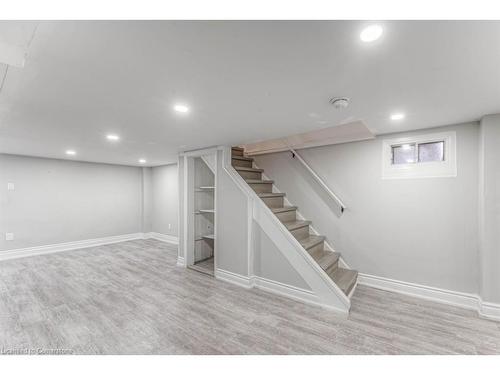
142, 161
113, 137
70, 152
397, 116
371, 33
181, 108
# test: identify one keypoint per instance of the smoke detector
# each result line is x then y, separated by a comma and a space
340, 102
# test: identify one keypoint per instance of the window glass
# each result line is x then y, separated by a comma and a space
432, 151
403, 154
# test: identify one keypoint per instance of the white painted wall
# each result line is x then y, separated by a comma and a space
232, 224
58, 201
182, 232
270, 264
147, 199
417, 230
165, 199
489, 208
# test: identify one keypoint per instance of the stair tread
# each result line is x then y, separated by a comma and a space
237, 148
345, 279
270, 195
251, 181
248, 169
311, 241
278, 210
326, 259
241, 158
291, 225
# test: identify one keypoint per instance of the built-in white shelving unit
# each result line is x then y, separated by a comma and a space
204, 212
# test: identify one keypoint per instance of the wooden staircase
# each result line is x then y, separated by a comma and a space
315, 245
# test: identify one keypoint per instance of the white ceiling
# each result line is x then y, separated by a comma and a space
244, 82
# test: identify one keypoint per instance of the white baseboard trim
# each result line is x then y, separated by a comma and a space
276, 287
233, 278
289, 291
74, 245
181, 262
422, 291
489, 310
162, 237
449, 297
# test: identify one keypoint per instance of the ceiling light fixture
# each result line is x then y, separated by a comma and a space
113, 137
142, 161
181, 108
71, 152
397, 116
371, 33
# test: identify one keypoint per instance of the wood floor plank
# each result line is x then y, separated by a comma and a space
131, 298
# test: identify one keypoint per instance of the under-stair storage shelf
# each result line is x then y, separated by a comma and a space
204, 212
210, 211
206, 237
205, 189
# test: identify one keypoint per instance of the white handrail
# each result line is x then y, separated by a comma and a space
319, 180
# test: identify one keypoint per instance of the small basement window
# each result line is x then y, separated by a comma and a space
418, 152
431, 155
431, 151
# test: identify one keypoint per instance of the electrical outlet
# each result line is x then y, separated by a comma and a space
9, 236
10, 186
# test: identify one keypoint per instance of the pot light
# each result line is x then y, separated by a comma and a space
371, 33
112, 137
71, 152
142, 161
397, 116
181, 108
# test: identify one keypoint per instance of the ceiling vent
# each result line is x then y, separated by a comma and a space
340, 102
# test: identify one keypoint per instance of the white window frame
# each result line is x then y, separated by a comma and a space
445, 168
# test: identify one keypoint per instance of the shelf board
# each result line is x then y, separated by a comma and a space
210, 211
208, 189
205, 237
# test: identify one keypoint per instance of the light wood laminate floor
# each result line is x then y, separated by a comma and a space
205, 266
132, 298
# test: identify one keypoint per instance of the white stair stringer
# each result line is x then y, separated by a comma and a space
328, 294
